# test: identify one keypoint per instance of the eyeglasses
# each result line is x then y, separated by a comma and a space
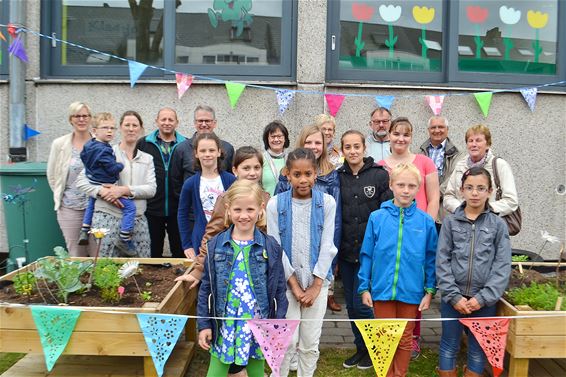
277, 137
104, 128
479, 189
77, 116
377, 122
204, 121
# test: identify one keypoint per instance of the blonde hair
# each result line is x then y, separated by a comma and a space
243, 188
324, 165
102, 117
405, 167
479, 129
401, 121
75, 107
321, 119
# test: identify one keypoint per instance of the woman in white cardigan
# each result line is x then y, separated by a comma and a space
137, 181
478, 143
63, 167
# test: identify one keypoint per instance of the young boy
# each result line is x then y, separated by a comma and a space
102, 168
397, 260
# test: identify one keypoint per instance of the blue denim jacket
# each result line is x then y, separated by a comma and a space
266, 267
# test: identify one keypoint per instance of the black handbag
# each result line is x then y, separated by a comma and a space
514, 220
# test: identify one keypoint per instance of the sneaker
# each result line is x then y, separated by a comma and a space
365, 362
353, 360
83, 238
126, 247
416, 351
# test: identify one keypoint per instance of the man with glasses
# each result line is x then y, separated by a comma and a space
377, 143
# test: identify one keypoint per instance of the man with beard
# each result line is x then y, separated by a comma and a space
377, 143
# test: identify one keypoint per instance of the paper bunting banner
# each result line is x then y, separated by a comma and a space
435, 103
2, 37
12, 30
136, 70
55, 326
235, 90
530, 96
18, 50
184, 82
161, 332
334, 102
273, 336
29, 132
385, 101
284, 98
381, 338
491, 334
484, 101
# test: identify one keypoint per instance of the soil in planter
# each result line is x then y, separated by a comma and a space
160, 277
543, 295
518, 280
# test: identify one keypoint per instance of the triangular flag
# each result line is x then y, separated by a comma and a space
136, 70
18, 50
435, 103
284, 98
3, 37
530, 96
484, 101
184, 82
334, 102
273, 336
29, 132
161, 332
12, 30
381, 338
491, 334
55, 326
385, 101
235, 90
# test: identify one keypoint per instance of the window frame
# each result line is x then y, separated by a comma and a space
4, 19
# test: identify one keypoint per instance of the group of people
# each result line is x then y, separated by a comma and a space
269, 231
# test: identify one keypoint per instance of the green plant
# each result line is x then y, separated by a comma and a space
146, 295
538, 296
24, 283
108, 279
520, 258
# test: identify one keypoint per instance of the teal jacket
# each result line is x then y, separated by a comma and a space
397, 258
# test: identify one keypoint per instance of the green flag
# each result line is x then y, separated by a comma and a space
484, 101
235, 90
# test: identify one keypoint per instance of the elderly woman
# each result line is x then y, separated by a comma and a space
137, 182
275, 141
63, 167
327, 125
478, 143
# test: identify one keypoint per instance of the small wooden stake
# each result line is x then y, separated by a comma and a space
558, 303
521, 268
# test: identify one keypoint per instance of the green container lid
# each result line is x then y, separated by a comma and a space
24, 168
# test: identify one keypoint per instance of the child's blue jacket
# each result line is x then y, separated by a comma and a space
397, 259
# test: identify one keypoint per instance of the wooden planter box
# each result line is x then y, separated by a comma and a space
106, 334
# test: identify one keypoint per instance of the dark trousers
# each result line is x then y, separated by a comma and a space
356, 310
157, 227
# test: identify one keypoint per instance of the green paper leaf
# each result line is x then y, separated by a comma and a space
484, 101
234, 90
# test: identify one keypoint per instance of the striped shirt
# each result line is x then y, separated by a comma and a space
436, 154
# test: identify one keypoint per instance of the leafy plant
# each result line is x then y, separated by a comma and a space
145, 295
107, 278
24, 283
520, 258
538, 296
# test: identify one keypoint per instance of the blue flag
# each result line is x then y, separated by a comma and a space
136, 70
29, 132
385, 101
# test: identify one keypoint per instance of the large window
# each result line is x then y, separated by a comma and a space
248, 38
4, 44
459, 41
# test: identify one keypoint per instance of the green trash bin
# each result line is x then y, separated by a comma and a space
31, 222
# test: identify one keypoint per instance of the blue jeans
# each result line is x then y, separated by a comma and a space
128, 214
356, 310
452, 334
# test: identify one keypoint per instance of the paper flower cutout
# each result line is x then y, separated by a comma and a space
390, 13
362, 12
423, 15
509, 16
476, 14
128, 269
99, 232
548, 238
537, 20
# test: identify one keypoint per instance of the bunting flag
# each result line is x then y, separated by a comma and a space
385, 101
184, 82
29, 132
381, 338
334, 102
530, 96
161, 332
284, 99
435, 103
235, 90
12, 30
55, 326
18, 50
136, 70
2, 37
273, 336
484, 101
491, 334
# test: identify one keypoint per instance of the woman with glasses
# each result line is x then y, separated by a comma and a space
63, 167
275, 142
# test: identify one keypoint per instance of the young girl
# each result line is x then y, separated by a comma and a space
363, 187
397, 260
302, 221
200, 191
243, 278
473, 265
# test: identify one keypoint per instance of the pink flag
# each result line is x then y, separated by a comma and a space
491, 334
184, 82
334, 102
435, 103
273, 336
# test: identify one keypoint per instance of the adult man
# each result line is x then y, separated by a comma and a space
377, 143
440, 149
161, 210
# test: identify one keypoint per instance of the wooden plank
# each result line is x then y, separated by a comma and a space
518, 367
536, 369
526, 326
536, 347
550, 366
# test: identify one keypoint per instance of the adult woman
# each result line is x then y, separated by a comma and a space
275, 141
63, 167
137, 181
478, 143
327, 125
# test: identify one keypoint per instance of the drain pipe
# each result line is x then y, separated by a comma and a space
17, 109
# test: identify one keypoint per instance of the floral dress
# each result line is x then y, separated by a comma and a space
235, 342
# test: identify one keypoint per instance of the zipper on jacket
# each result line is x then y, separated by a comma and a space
471, 260
398, 258
214, 321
